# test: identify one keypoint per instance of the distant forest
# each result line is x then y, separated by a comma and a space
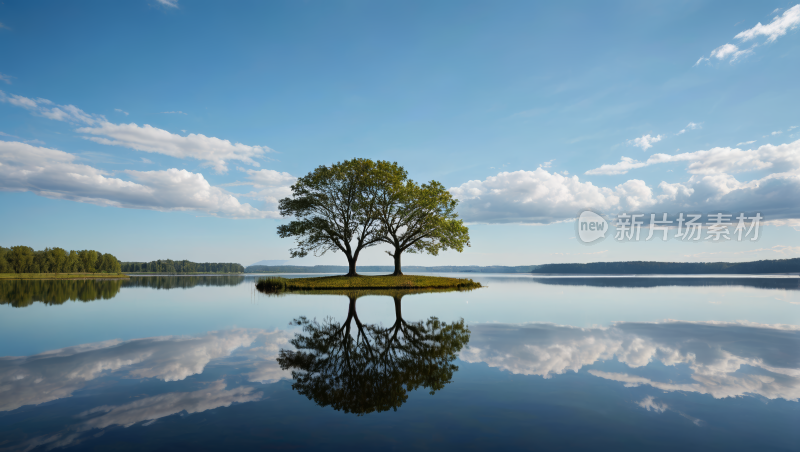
674, 268
23, 259
171, 267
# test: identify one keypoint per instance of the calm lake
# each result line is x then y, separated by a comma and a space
208, 363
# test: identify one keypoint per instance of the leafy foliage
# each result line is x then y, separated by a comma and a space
332, 211
415, 218
23, 259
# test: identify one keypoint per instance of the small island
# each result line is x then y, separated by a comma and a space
278, 284
357, 204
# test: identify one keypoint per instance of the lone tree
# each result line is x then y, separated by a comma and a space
414, 218
334, 211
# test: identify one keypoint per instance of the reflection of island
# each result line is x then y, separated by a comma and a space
22, 293
374, 370
724, 359
644, 282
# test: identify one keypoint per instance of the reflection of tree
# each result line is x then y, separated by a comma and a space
374, 370
21, 293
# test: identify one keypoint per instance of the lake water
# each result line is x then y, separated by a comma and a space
538, 363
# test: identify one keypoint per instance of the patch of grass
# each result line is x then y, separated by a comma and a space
62, 275
278, 284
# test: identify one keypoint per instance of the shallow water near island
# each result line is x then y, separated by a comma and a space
207, 362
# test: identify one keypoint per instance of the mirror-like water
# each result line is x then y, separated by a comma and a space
530, 362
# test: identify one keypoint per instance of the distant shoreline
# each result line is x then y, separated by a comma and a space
638, 268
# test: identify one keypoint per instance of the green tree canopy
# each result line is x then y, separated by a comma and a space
415, 218
333, 211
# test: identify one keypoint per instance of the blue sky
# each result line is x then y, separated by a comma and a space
169, 129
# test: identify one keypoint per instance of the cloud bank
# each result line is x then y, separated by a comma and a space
541, 197
56, 174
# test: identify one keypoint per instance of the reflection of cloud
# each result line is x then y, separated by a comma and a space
152, 408
149, 409
726, 360
58, 373
649, 403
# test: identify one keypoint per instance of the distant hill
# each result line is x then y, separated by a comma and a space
673, 268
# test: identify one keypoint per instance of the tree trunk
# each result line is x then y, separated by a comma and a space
352, 264
398, 271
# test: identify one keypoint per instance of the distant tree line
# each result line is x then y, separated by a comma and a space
23, 259
171, 267
675, 268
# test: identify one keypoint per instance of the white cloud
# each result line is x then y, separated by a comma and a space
783, 157
745, 142
4, 77
3, 134
169, 3
547, 164
215, 151
270, 178
777, 132
541, 197
174, 113
724, 51
645, 142
690, 126
47, 109
271, 186
789, 20
121, 111
55, 174
778, 27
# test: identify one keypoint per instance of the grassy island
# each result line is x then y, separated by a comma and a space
63, 276
276, 284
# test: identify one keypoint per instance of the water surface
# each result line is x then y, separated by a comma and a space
207, 362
